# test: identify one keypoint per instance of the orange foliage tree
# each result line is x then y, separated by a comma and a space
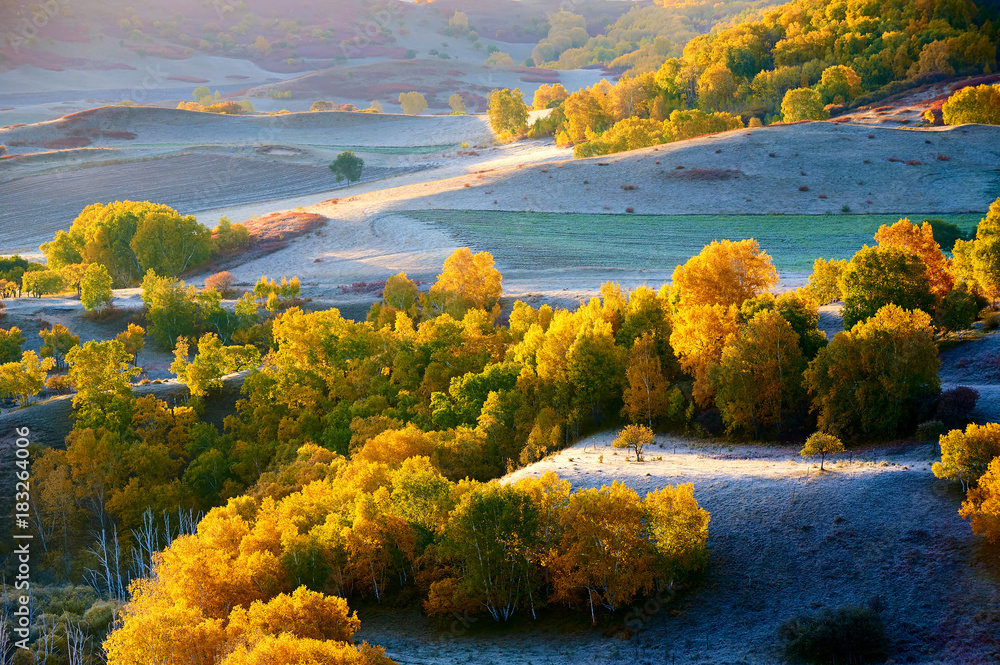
919, 240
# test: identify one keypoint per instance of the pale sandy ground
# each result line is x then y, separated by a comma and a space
372, 225
784, 540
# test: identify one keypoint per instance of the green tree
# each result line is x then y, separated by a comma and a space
229, 239
57, 341
507, 112
840, 84
873, 379
102, 373
945, 233
759, 378
171, 244
170, 309
491, 534
212, 362
958, 309
95, 288
822, 444
347, 165
883, 275
803, 104
413, 103
42, 282
457, 104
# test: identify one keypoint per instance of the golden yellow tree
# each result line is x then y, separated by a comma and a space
982, 505
646, 390
699, 335
468, 281
724, 273
966, 454
634, 438
603, 558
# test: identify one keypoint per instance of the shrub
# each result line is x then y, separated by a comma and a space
222, 282
845, 635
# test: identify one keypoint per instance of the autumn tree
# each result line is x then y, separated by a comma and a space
491, 534
824, 282
467, 281
822, 444
546, 95
716, 87
102, 373
985, 252
982, 504
839, 84
11, 341
507, 112
72, 275
603, 557
347, 166
95, 288
724, 273
803, 104
965, 455
758, 380
133, 339
700, 333
958, 309
678, 533
880, 276
871, 379
634, 438
170, 243
973, 105
223, 282
646, 391
457, 104
413, 103
919, 240
56, 343
42, 282
23, 380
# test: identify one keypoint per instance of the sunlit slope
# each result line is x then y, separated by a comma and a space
809, 168
130, 126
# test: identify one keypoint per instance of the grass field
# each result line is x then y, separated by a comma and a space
553, 240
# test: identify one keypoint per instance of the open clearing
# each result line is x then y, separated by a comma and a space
784, 540
536, 240
189, 183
